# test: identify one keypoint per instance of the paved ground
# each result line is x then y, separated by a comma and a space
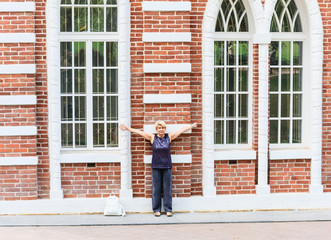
270, 225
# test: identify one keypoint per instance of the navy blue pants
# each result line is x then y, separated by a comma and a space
162, 178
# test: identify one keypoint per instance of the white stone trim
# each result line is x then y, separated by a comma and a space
18, 100
167, 37
167, 98
278, 154
150, 128
18, 69
234, 155
90, 157
17, 38
167, 67
262, 38
17, 7
18, 161
18, 131
166, 6
182, 158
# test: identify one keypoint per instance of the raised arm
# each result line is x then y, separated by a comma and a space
147, 136
176, 134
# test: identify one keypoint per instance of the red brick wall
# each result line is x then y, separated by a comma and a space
18, 146
80, 181
235, 177
288, 176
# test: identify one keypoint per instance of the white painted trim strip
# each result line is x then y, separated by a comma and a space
184, 158
278, 154
18, 131
18, 161
18, 100
167, 37
167, 67
90, 157
166, 6
170, 128
18, 69
234, 155
17, 37
167, 98
17, 7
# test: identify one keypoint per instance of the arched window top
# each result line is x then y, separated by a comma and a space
88, 16
286, 17
232, 17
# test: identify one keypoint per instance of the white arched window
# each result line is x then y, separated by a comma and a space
232, 76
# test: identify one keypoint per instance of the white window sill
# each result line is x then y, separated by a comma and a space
90, 157
300, 153
234, 154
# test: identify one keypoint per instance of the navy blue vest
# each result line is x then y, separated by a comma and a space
161, 157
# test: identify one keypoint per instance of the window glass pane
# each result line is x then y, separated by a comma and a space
231, 131
297, 131
243, 79
112, 54
231, 57
111, 2
66, 54
297, 79
111, 19
98, 54
274, 74
232, 23
219, 23
231, 80
98, 108
243, 131
94, 2
66, 108
80, 54
80, 107
297, 53
66, 81
112, 108
286, 79
297, 24
65, 1
98, 135
274, 131
274, 53
81, 2
297, 105
66, 135
226, 7
285, 131
292, 8
80, 81
219, 105
244, 24
112, 135
98, 80
80, 136
279, 8
80, 19
286, 27
96, 19
219, 53
112, 80
243, 105
274, 25
286, 53
231, 105
219, 132
285, 105
274, 105
66, 19
243, 53
219, 80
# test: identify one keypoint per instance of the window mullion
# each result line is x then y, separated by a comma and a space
89, 100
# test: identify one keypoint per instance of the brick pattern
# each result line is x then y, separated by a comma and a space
17, 84
18, 146
80, 181
236, 177
18, 183
16, 53
289, 176
16, 22
17, 116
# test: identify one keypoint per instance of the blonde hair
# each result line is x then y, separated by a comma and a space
162, 123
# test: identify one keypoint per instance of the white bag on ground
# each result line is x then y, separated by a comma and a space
113, 207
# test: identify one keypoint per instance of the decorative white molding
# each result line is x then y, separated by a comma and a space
167, 67
17, 7
18, 161
167, 98
90, 157
170, 128
18, 69
234, 155
262, 38
18, 131
278, 154
18, 100
17, 38
183, 158
166, 6
167, 37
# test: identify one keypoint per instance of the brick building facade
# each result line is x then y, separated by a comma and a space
253, 74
